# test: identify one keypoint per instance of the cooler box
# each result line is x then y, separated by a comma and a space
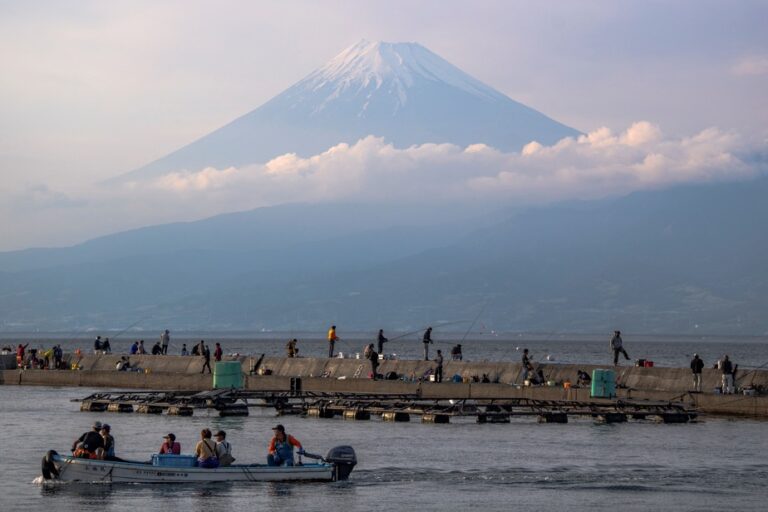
649, 364
227, 374
598, 387
174, 461
609, 383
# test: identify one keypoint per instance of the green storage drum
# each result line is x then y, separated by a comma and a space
227, 374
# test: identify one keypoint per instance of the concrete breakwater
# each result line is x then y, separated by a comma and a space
351, 376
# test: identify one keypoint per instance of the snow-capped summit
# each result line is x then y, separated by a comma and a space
399, 91
390, 69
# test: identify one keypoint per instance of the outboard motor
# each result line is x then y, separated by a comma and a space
344, 460
49, 468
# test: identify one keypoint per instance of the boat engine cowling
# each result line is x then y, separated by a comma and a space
49, 469
344, 460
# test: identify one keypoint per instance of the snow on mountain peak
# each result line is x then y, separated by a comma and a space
393, 67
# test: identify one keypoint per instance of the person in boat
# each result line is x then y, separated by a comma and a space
381, 340
223, 449
170, 446
290, 347
206, 450
281, 448
90, 445
157, 349
109, 442
456, 353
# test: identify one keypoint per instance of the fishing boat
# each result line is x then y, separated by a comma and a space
336, 465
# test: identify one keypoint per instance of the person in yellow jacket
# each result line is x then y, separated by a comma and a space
331, 340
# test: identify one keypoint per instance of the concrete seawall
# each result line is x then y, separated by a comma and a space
351, 376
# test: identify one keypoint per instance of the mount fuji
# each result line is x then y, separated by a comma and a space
399, 91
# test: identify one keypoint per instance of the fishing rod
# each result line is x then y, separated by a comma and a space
473, 322
424, 328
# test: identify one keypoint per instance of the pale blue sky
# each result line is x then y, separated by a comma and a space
92, 89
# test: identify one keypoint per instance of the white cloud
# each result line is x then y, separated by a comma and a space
597, 164
752, 65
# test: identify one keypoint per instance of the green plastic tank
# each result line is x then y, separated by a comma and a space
598, 384
227, 374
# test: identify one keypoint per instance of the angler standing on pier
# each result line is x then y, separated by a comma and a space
331, 340
427, 339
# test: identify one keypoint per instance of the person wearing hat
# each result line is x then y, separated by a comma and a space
223, 449
281, 448
170, 446
90, 445
617, 345
697, 365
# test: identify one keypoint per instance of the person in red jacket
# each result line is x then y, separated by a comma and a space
281, 448
217, 353
170, 446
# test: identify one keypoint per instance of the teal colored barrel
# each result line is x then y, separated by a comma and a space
609, 379
598, 387
227, 374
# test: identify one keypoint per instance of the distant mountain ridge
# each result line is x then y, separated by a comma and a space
685, 260
399, 91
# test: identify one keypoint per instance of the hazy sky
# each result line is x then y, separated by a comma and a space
89, 90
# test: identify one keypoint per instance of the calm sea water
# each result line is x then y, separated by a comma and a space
713, 464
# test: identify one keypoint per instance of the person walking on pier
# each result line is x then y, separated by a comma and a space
332, 340
381, 341
439, 367
426, 340
290, 347
165, 339
206, 354
726, 368
697, 365
617, 345
218, 352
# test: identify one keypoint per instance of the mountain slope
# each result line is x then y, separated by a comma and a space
399, 91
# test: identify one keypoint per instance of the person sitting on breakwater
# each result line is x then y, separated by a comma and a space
142, 350
617, 345
170, 446
281, 448
97, 345
206, 450
456, 353
90, 445
290, 347
157, 349
123, 364
184, 350
223, 449
196, 349
134, 348
583, 378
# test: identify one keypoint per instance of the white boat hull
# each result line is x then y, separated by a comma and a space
101, 471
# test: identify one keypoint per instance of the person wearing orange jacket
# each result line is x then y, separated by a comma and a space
281, 448
331, 340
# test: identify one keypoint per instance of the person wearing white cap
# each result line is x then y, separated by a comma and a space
697, 365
